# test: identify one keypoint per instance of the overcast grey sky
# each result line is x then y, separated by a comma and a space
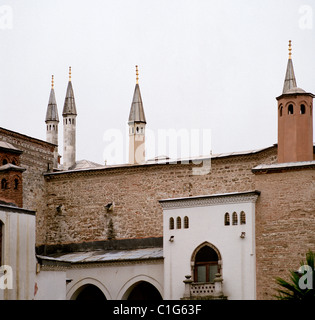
203, 65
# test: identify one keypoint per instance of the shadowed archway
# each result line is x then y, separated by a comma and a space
90, 292
144, 291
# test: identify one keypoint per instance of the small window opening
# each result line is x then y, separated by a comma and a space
4, 184
171, 223
227, 219
5, 161
234, 219
16, 184
290, 109
178, 223
302, 109
186, 223
137, 129
243, 218
281, 109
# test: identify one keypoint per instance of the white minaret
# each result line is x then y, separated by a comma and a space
137, 123
52, 120
69, 114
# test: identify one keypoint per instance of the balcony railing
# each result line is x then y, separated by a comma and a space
204, 290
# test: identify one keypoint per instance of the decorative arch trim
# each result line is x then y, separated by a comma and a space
77, 287
204, 244
126, 289
193, 259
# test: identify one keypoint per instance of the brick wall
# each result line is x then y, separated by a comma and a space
12, 192
76, 201
285, 228
36, 156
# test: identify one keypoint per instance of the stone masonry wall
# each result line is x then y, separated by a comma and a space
285, 228
76, 200
36, 156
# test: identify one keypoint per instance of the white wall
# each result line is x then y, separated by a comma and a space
18, 253
51, 285
116, 280
206, 223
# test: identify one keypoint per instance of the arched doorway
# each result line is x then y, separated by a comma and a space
144, 291
206, 263
90, 292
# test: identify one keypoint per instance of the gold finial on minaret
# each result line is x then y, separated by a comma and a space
137, 75
290, 49
69, 73
52, 81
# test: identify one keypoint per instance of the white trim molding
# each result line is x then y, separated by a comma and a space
208, 200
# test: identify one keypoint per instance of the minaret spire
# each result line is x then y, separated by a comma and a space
52, 120
137, 123
52, 111
69, 107
136, 111
69, 114
290, 81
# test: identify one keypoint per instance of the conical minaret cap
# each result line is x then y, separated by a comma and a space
52, 110
69, 107
136, 111
289, 81
290, 85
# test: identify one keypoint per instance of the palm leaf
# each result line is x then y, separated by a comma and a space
291, 290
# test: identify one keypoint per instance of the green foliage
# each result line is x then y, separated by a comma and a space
292, 290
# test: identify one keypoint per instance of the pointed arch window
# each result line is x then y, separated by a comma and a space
186, 222
4, 184
281, 110
171, 223
227, 219
234, 219
302, 109
242, 218
16, 183
206, 265
178, 223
